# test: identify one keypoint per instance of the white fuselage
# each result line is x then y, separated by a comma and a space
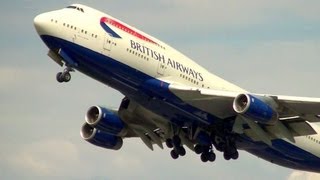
81, 28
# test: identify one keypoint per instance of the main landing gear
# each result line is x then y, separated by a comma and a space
178, 149
230, 151
227, 146
64, 76
206, 152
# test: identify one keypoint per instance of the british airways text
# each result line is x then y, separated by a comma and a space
168, 61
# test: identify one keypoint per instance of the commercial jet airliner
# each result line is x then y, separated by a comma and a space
169, 99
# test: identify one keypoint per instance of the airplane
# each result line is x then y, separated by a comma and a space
170, 99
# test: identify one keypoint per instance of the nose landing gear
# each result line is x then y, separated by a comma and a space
64, 76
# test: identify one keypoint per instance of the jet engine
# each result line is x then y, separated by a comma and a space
105, 120
257, 108
100, 138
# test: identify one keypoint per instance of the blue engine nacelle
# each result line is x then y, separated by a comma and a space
260, 109
105, 120
100, 138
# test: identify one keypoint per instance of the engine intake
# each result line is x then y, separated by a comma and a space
105, 120
261, 109
100, 138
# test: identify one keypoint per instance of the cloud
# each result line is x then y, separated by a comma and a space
211, 16
45, 158
126, 161
245, 8
300, 175
8, 76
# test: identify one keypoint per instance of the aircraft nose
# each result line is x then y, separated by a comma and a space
39, 22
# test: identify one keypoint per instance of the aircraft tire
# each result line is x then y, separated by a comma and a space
204, 157
181, 151
59, 77
174, 154
212, 157
66, 76
226, 156
235, 155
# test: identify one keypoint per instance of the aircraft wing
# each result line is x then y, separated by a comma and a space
305, 107
220, 103
294, 113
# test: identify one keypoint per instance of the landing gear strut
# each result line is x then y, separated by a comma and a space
178, 149
64, 76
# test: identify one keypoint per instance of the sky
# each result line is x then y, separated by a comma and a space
263, 46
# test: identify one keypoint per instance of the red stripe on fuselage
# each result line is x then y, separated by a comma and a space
126, 29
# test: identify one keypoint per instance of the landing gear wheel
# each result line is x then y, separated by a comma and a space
226, 156
174, 154
212, 157
204, 157
59, 77
169, 143
66, 76
181, 151
63, 77
235, 155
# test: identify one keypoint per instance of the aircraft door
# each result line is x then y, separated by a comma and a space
74, 38
76, 35
161, 67
107, 43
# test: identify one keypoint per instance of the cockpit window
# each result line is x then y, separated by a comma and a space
75, 7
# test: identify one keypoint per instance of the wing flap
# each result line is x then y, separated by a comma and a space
218, 103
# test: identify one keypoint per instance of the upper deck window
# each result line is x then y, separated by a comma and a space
75, 7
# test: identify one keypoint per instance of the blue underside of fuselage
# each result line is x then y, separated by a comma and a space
155, 95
